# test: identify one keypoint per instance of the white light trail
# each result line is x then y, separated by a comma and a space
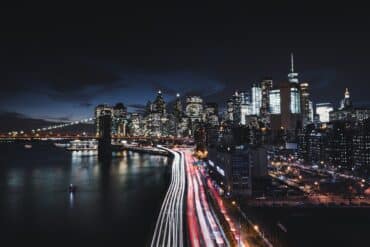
169, 227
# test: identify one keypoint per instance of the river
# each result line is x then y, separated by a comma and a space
116, 202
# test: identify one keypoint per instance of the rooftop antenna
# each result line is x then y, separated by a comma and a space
292, 62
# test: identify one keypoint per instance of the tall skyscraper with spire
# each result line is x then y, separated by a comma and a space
292, 76
177, 107
346, 102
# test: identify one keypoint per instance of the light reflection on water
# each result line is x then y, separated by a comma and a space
34, 193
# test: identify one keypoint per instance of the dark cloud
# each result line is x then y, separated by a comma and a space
61, 78
13, 121
86, 104
210, 52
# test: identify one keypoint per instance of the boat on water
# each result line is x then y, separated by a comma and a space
83, 145
27, 146
61, 145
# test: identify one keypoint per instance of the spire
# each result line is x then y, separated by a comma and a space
346, 94
292, 62
292, 76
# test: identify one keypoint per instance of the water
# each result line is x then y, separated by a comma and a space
116, 202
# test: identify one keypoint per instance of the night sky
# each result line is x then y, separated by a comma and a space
58, 61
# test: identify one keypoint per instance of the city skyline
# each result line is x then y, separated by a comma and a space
60, 69
176, 125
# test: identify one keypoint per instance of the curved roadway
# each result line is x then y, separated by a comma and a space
169, 227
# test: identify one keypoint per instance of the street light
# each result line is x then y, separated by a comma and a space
256, 228
233, 202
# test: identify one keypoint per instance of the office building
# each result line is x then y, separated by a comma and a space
211, 114
245, 107
266, 87
323, 110
275, 101
230, 110
347, 112
194, 108
305, 103
119, 120
232, 170
256, 99
100, 110
361, 148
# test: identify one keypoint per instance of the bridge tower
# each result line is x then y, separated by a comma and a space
105, 138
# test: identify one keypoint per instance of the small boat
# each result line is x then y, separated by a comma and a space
61, 145
27, 146
72, 188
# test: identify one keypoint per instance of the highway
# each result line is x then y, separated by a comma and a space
203, 226
204, 229
169, 227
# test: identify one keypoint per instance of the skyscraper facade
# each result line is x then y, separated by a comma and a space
305, 103
100, 110
245, 108
266, 87
275, 101
256, 99
194, 107
323, 110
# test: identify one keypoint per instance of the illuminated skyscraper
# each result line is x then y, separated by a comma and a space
310, 112
348, 112
266, 87
305, 103
323, 109
295, 102
256, 99
230, 110
177, 107
285, 106
274, 101
346, 102
236, 107
100, 110
159, 106
194, 108
245, 109
211, 113
292, 76
119, 119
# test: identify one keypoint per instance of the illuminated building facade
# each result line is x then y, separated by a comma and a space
119, 120
323, 110
256, 99
100, 110
266, 87
305, 103
230, 110
245, 107
236, 108
211, 114
194, 108
274, 101
347, 112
